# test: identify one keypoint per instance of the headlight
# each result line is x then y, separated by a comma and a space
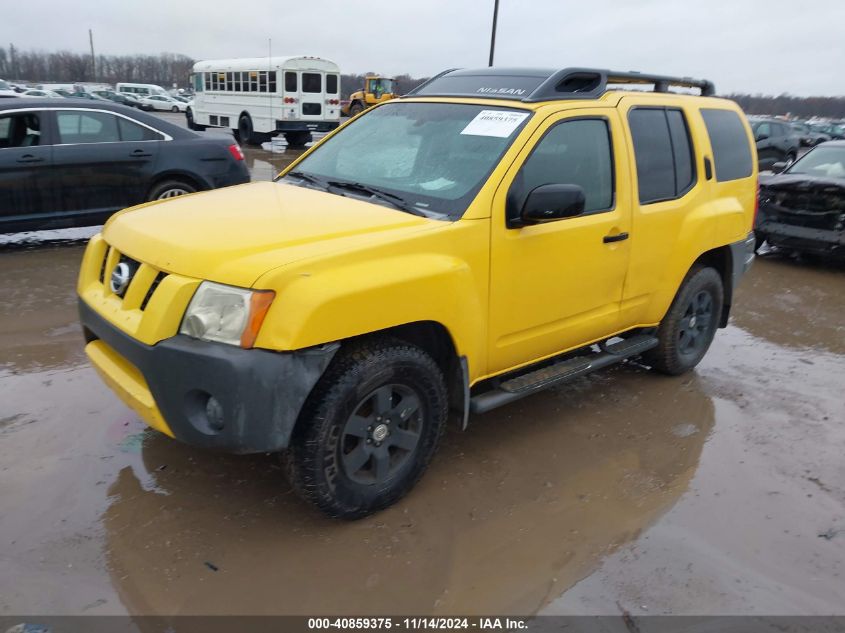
226, 314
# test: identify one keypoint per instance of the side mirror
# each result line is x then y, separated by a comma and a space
548, 203
762, 136
779, 167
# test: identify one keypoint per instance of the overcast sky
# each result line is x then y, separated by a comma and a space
767, 46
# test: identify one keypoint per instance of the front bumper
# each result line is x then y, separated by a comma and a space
169, 384
306, 126
802, 238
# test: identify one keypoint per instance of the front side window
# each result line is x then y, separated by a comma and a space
663, 153
312, 82
729, 140
571, 153
434, 156
20, 130
87, 127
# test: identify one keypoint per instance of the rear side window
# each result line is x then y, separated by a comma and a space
731, 150
87, 127
312, 82
331, 84
130, 131
290, 81
664, 154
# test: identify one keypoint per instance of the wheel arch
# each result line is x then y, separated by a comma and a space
436, 340
720, 259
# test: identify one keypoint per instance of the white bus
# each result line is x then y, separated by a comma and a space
258, 98
140, 91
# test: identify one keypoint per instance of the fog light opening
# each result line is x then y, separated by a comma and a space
205, 412
214, 413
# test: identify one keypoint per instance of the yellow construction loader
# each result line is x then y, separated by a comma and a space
376, 90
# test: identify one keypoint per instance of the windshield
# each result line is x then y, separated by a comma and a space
823, 162
433, 157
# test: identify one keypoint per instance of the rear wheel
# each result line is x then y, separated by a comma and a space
170, 189
174, 109
297, 140
246, 134
369, 430
688, 328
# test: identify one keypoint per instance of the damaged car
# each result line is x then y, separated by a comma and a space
802, 206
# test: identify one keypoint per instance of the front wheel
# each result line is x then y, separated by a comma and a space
688, 328
369, 429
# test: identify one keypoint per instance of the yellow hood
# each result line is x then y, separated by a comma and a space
236, 234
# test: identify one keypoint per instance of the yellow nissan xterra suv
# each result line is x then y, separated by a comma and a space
493, 233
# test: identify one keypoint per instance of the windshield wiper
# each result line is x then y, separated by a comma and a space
307, 178
397, 201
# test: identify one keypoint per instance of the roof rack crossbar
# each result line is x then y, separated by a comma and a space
580, 83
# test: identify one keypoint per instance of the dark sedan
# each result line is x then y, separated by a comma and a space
68, 162
802, 207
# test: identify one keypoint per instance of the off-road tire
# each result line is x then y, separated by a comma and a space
669, 357
355, 108
314, 462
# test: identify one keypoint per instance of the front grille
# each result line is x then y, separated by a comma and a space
144, 279
813, 202
159, 278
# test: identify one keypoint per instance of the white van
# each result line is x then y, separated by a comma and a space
139, 91
258, 98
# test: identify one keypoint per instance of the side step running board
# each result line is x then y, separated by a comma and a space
561, 372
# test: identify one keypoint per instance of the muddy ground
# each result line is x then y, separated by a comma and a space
719, 492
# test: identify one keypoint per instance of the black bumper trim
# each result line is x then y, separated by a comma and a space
261, 392
306, 126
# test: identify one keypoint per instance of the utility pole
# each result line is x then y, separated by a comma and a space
493, 34
93, 59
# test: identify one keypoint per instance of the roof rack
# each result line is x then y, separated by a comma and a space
532, 84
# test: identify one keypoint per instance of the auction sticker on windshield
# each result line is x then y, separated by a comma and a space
499, 123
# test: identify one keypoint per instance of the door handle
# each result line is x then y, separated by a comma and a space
29, 158
139, 153
619, 237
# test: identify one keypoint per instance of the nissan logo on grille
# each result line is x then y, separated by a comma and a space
121, 275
